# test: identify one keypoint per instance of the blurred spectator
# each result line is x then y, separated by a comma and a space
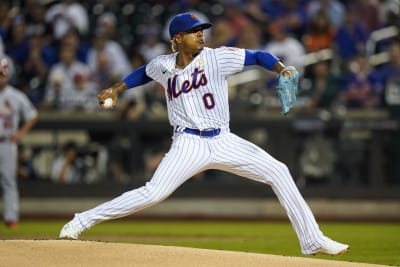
95, 157
334, 8
83, 97
391, 76
25, 168
367, 12
236, 18
67, 168
107, 60
291, 14
221, 34
17, 44
323, 87
156, 106
132, 103
351, 37
320, 33
386, 7
33, 55
391, 17
102, 74
254, 10
389, 12
68, 84
6, 16
42, 56
66, 14
36, 24
73, 39
136, 59
249, 37
285, 47
152, 46
363, 86
317, 159
107, 24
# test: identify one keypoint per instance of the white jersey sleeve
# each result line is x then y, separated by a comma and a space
230, 60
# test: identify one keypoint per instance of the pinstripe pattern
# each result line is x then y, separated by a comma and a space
186, 158
236, 155
188, 109
226, 152
191, 154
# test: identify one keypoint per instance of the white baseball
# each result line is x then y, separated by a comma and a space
108, 102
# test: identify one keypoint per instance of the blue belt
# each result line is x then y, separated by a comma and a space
205, 133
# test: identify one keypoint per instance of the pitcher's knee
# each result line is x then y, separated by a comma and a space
279, 171
284, 168
154, 194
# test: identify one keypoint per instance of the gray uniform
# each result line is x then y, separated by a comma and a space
14, 106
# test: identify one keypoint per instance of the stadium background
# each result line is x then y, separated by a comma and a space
341, 144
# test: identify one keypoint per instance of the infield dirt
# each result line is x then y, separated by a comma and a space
45, 253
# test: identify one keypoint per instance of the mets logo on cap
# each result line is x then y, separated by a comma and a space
184, 22
193, 16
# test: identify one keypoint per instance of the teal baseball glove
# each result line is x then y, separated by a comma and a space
288, 80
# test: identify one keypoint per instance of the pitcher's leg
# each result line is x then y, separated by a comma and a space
246, 159
185, 159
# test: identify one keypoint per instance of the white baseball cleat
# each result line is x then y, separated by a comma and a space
331, 247
70, 231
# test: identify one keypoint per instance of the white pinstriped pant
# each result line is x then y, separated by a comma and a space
191, 154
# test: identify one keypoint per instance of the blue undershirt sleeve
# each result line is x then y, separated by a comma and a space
137, 77
261, 58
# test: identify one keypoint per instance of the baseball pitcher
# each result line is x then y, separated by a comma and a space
196, 91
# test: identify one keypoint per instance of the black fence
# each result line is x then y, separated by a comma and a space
353, 155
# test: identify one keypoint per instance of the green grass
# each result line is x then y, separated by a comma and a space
370, 242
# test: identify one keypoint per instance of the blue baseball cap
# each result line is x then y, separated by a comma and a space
185, 22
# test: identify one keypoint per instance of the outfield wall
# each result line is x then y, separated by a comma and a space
242, 199
222, 209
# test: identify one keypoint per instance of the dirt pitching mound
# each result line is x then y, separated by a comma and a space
45, 253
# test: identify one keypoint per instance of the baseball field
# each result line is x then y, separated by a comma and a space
193, 243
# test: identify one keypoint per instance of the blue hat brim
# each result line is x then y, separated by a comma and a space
202, 25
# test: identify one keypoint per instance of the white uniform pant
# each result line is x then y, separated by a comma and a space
191, 154
8, 167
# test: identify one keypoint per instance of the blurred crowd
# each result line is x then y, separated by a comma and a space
64, 52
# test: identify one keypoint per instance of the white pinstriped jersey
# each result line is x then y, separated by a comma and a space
13, 104
197, 96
